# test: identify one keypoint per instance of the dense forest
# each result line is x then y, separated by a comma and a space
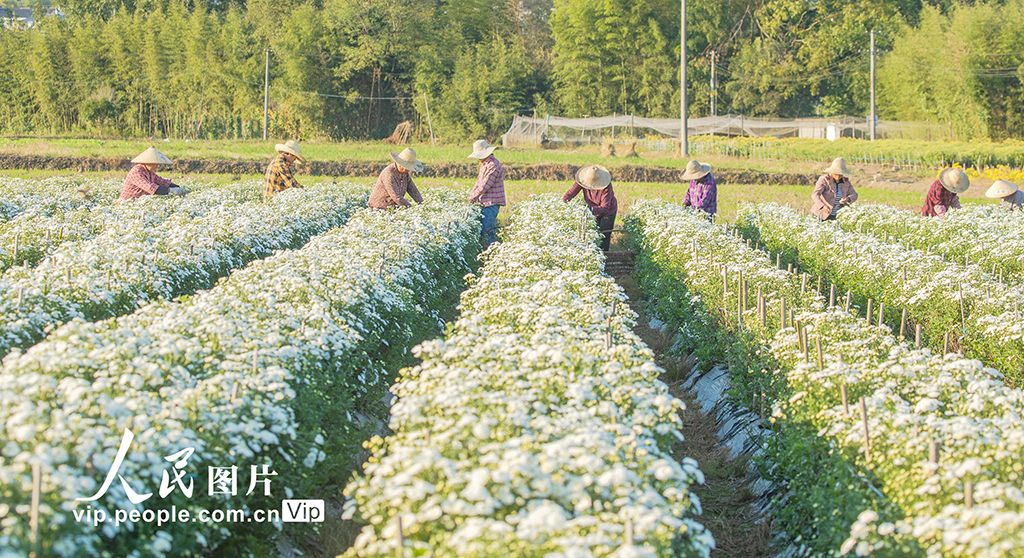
353, 69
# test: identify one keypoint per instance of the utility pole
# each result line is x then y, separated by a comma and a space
266, 90
684, 143
714, 88
873, 116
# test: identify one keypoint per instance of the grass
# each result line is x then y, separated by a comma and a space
761, 154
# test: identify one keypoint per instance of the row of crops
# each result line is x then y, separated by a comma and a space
537, 424
881, 447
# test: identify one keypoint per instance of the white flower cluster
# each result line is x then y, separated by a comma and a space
989, 322
280, 364
33, 234
539, 426
988, 235
173, 247
51, 196
912, 399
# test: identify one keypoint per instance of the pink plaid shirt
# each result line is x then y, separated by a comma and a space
141, 182
490, 184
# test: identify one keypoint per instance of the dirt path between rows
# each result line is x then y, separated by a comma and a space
726, 496
559, 172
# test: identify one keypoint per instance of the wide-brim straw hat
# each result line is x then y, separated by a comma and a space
838, 166
152, 156
407, 160
481, 150
955, 180
594, 177
695, 171
1000, 189
292, 148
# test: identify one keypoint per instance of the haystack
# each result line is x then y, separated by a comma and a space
401, 135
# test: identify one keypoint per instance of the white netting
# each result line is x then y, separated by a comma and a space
534, 131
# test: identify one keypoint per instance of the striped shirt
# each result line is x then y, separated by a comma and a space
839, 196
490, 184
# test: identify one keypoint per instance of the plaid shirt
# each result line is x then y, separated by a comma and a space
601, 202
939, 196
703, 194
391, 187
279, 177
490, 184
141, 182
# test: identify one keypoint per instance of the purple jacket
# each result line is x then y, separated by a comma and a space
703, 194
601, 202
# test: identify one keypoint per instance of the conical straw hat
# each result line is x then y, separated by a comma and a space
955, 180
1001, 189
152, 157
407, 160
594, 177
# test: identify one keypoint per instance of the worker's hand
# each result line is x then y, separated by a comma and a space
844, 201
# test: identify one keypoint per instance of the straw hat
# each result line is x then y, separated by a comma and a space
407, 160
1001, 189
152, 157
838, 166
955, 180
695, 171
594, 177
290, 147
481, 150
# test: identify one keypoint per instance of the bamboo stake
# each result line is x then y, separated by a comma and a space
782, 312
933, 451
945, 345
870, 302
968, 494
401, 537
803, 284
903, 324
963, 312
14, 259
789, 268
864, 421
819, 284
844, 394
629, 532
821, 360
33, 518
832, 296
849, 299
778, 260
881, 314
917, 336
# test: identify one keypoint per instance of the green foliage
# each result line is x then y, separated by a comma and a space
960, 66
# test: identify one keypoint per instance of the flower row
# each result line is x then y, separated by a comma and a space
52, 196
31, 236
939, 429
981, 315
538, 426
986, 235
282, 365
160, 255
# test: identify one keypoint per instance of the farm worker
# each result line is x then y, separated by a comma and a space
142, 180
1007, 192
395, 180
489, 190
832, 191
596, 183
279, 172
942, 196
703, 191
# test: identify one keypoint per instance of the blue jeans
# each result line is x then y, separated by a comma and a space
489, 218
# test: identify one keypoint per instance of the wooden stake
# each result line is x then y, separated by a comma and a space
819, 284
14, 259
803, 284
629, 532
255, 361
778, 260
68, 276
401, 537
963, 312
867, 437
789, 268
903, 324
782, 312
849, 300
933, 451
844, 394
821, 360
917, 336
968, 494
870, 302
945, 345
21, 297
832, 296
33, 518
881, 314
